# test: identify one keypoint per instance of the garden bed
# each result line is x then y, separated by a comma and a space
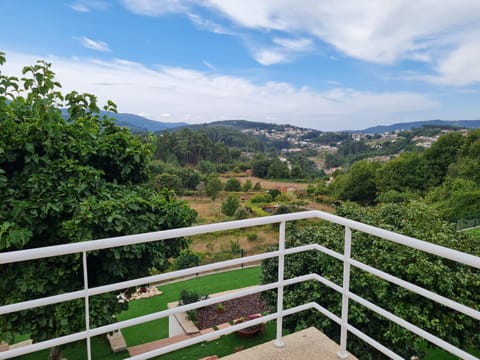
212, 315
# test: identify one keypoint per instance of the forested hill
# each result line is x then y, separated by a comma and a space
246, 124
137, 123
467, 124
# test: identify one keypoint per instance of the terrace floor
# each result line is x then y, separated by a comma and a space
303, 345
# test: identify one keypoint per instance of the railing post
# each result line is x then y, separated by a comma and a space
87, 305
343, 354
281, 265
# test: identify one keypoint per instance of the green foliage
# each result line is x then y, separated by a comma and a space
273, 193
440, 276
260, 165
213, 185
467, 164
69, 179
233, 184
230, 205
259, 198
235, 246
252, 237
394, 196
358, 184
241, 213
247, 186
407, 172
441, 155
169, 182
278, 169
257, 187
186, 259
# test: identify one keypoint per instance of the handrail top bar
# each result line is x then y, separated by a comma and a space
86, 246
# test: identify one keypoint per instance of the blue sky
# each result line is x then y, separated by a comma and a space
323, 64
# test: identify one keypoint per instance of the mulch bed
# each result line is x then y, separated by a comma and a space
209, 316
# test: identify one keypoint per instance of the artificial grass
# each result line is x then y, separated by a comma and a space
158, 329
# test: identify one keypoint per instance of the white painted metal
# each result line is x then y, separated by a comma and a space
281, 265
342, 354
87, 305
415, 329
85, 247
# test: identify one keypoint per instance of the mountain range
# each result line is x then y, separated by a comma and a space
137, 123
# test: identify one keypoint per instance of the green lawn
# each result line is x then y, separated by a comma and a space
158, 329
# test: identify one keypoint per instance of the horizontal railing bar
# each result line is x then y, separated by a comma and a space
179, 273
413, 328
47, 344
374, 343
49, 300
164, 313
357, 332
200, 338
419, 290
5, 309
425, 246
106, 243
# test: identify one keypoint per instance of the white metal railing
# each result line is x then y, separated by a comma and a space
349, 225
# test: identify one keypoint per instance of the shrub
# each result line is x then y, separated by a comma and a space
186, 259
230, 205
265, 198
252, 237
241, 213
233, 184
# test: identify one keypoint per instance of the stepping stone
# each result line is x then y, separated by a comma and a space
21, 344
117, 341
208, 331
223, 326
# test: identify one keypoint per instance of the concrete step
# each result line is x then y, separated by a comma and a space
140, 349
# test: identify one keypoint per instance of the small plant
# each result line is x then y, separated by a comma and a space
188, 297
220, 308
252, 237
235, 246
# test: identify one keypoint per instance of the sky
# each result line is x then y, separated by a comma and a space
322, 64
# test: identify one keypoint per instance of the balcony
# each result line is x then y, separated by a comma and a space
285, 344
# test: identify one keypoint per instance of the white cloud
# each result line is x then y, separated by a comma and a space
96, 45
89, 5
294, 44
208, 25
434, 32
374, 30
270, 57
197, 97
155, 7
459, 68
79, 7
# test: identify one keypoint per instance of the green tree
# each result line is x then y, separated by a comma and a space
407, 172
358, 183
278, 170
230, 205
247, 185
70, 179
233, 184
213, 185
169, 182
467, 165
440, 276
260, 166
441, 155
